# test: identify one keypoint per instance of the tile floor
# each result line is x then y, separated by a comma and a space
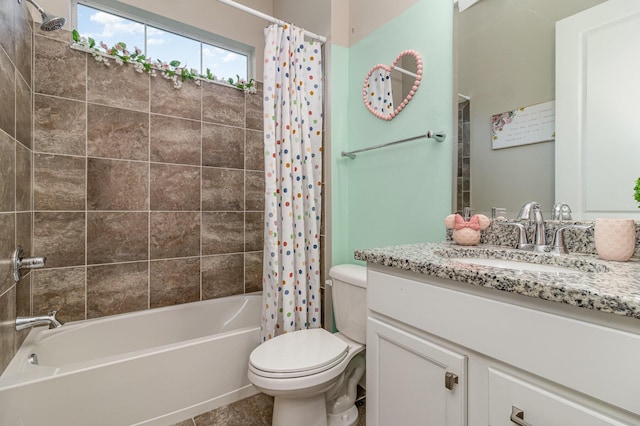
253, 411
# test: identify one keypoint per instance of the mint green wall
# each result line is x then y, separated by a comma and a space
400, 194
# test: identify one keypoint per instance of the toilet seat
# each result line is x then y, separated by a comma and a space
298, 354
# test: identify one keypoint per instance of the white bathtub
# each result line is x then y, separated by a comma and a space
154, 367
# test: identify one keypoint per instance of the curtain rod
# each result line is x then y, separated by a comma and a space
269, 18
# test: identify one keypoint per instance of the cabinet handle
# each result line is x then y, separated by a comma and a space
449, 380
517, 416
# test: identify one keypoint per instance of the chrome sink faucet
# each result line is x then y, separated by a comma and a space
28, 322
531, 211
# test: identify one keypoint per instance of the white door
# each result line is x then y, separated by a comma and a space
597, 116
412, 381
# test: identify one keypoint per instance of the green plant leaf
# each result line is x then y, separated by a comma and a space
92, 43
76, 35
174, 63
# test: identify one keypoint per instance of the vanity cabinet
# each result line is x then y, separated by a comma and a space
413, 378
518, 360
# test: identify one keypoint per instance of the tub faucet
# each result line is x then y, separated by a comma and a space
28, 322
530, 209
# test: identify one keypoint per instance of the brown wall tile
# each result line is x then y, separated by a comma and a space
255, 108
23, 178
116, 289
222, 232
254, 231
117, 86
24, 236
24, 45
23, 297
117, 185
223, 105
184, 102
222, 146
15, 208
116, 237
60, 237
8, 13
222, 276
222, 189
254, 187
254, 155
7, 173
117, 133
61, 290
174, 140
7, 94
59, 125
174, 281
24, 116
7, 327
174, 234
253, 272
58, 70
58, 182
7, 240
175, 187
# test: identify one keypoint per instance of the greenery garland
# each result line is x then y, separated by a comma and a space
637, 194
171, 71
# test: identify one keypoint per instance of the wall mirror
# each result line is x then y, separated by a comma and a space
505, 54
388, 89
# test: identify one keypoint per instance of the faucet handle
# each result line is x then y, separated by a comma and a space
18, 261
523, 241
559, 246
55, 323
561, 211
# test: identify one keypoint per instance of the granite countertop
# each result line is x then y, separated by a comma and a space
592, 283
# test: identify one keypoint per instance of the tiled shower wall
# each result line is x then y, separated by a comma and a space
143, 195
464, 157
15, 167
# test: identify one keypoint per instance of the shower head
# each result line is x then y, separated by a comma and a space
49, 22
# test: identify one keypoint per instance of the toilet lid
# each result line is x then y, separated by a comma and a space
299, 352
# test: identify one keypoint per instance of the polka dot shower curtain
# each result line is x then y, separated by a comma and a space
293, 174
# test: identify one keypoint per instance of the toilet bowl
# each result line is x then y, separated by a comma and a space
313, 374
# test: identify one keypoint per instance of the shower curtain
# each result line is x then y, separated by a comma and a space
293, 174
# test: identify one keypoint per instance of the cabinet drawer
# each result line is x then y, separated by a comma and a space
540, 407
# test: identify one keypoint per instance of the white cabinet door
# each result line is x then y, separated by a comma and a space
597, 126
537, 406
407, 380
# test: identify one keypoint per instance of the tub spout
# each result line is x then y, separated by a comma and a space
28, 322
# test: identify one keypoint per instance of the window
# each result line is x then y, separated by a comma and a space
160, 43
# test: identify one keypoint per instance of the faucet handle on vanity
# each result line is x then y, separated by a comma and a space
561, 211
559, 246
523, 240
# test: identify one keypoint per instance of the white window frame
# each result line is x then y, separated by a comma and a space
180, 28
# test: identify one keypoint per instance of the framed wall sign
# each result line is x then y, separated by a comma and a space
522, 126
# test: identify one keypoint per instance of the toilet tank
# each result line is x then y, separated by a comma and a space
349, 294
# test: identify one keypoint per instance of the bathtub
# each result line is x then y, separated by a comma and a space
154, 367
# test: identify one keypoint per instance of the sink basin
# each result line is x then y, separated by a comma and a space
515, 265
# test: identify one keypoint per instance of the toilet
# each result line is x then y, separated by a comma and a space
313, 374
